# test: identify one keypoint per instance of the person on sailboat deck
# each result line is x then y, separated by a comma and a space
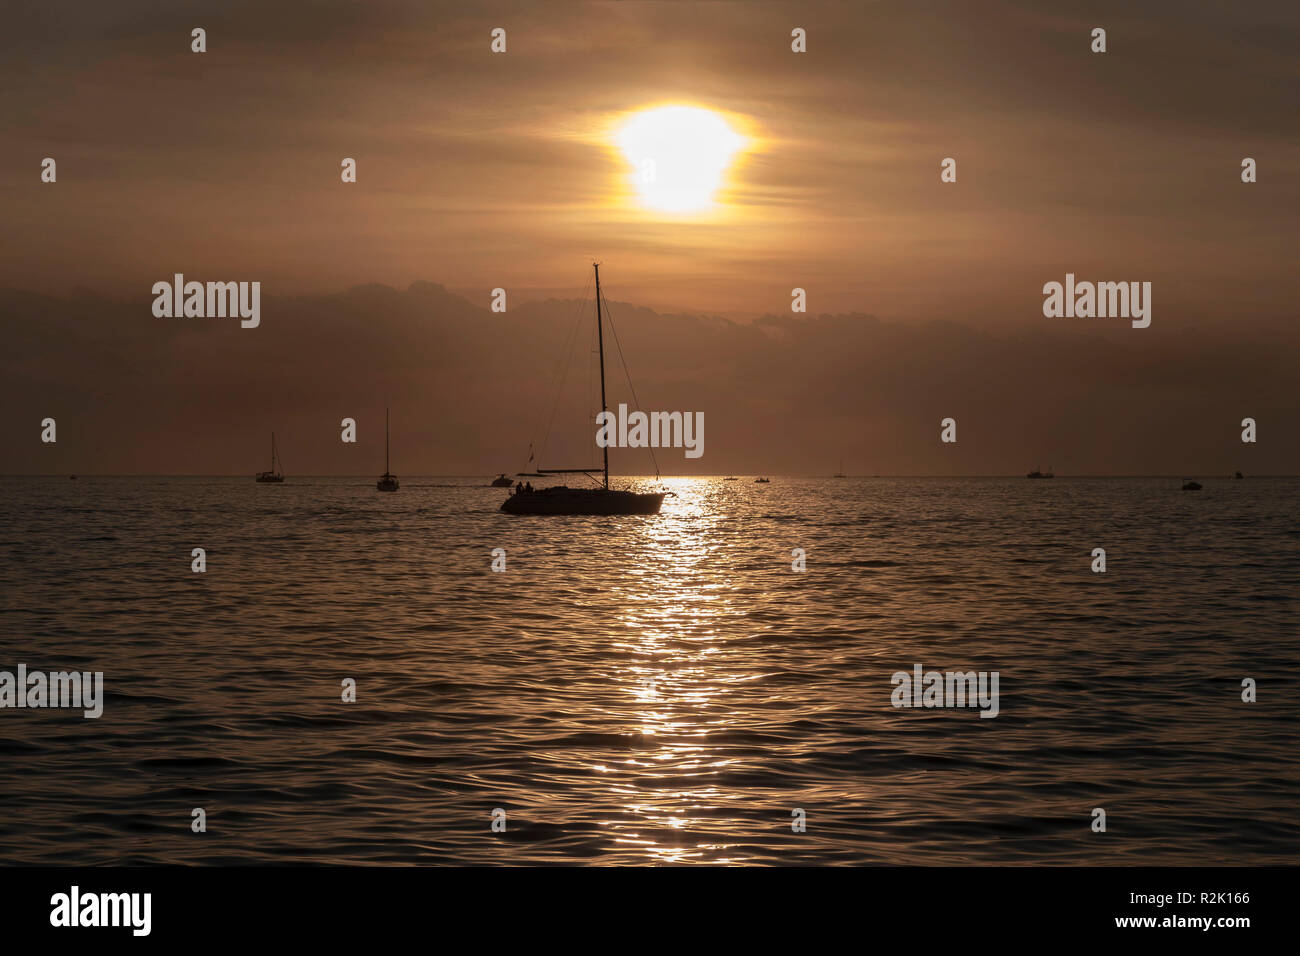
528, 487
519, 488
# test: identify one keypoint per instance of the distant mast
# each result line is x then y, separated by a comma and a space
600, 339
272, 475
387, 481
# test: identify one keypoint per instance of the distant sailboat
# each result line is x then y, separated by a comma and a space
386, 481
840, 473
562, 500
274, 476
1041, 474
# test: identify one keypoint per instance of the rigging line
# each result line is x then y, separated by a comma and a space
557, 386
635, 401
591, 391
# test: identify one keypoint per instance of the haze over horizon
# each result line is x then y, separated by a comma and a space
470, 389
514, 170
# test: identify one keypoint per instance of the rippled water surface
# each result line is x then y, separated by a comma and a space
652, 690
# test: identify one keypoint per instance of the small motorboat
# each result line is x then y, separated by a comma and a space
731, 479
762, 481
501, 481
1041, 474
1237, 475
1189, 485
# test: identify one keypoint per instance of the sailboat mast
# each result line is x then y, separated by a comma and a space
273, 451
600, 339
385, 440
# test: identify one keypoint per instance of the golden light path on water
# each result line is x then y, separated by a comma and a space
677, 685
653, 690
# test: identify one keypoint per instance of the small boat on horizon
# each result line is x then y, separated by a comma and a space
387, 482
1041, 474
501, 481
274, 475
762, 481
1189, 485
1237, 475
563, 500
840, 473
731, 479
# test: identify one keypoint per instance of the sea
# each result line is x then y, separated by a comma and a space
419, 679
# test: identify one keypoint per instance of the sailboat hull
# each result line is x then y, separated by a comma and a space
583, 501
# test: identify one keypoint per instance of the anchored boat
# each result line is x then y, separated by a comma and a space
274, 476
563, 500
387, 482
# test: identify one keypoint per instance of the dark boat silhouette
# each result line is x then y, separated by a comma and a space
563, 500
731, 479
501, 481
274, 476
1189, 485
1238, 475
840, 473
387, 482
762, 481
1041, 474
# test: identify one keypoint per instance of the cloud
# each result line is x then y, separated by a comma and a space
494, 167
470, 389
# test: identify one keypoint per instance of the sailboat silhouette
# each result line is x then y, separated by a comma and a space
562, 500
386, 482
274, 476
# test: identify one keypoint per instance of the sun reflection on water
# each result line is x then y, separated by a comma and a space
674, 617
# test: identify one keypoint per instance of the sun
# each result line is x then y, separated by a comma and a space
679, 156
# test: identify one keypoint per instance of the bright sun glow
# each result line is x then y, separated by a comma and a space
680, 155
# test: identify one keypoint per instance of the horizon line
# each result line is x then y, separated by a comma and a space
771, 474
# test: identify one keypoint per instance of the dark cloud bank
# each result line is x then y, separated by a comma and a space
470, 389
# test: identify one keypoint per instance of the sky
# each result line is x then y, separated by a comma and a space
478, 171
